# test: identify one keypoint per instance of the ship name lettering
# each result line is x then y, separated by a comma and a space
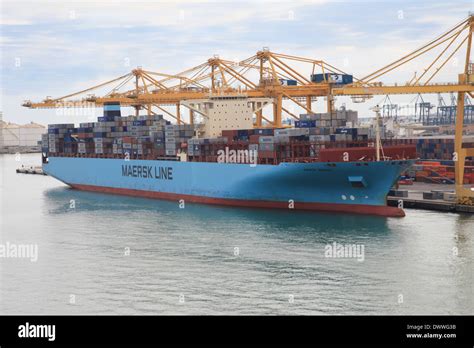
150, 172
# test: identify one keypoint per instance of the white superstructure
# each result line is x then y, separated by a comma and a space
226, 112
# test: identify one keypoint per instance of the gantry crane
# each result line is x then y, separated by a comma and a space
256, 76
261, 75
452, 40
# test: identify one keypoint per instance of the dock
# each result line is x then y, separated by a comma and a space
31, 170
415, 195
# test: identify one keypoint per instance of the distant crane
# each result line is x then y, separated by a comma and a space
446, 114
423, 110
389, 110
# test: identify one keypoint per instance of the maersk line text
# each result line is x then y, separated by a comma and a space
151, 172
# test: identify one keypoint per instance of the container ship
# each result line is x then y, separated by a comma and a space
319, 164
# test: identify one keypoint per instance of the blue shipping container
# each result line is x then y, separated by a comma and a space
286, 82
108, 118
112, 107
305, 124
263, 131
338, 79
111, 114
352, 131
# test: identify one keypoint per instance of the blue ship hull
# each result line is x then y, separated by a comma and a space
354, 187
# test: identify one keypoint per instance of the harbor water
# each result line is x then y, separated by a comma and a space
107, 254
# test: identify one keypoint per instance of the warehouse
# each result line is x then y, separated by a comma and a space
20, 138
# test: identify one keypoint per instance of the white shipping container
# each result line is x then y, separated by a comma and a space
363, 131
316, 138
253, 147
171, 134
281, 132
171, 146
282, 139
294, 132
266, 139
325, 116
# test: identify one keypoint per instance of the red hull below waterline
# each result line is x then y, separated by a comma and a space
384, 211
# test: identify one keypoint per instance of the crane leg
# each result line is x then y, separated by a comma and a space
464, 195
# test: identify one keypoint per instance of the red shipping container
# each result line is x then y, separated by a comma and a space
231, 134
266, 154
254, 139
366, 153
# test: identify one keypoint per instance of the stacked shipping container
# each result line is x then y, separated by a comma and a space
175, 135
152, 136
112, 134
59, 138
439, 172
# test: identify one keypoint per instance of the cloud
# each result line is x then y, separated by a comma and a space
129, 14
10, 21
68, 46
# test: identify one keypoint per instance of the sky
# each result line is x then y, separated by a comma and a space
52, 48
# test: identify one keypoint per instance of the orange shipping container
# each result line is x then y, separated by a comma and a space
422, 173
428, 163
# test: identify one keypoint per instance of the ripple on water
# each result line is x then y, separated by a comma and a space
123, 255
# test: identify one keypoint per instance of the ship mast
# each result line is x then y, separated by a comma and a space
377, 132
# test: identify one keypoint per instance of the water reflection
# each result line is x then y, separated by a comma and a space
192, 251
58, 201
463, 264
